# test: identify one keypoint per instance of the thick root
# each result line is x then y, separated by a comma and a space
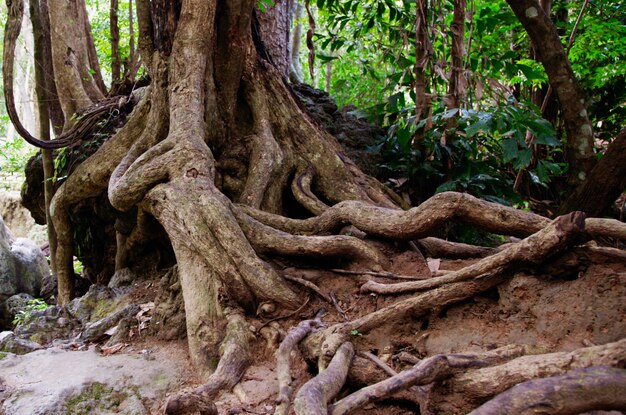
577, 391
285, 389
425, 219
433, 369
465, 391
551, 240
233, 363
313, 397
268, 240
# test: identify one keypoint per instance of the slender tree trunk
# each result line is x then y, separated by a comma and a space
44, 119
116, 63
458, 84
54, 106
422, 55
295, 74
75, 82
547, 43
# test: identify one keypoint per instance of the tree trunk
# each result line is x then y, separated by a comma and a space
606, 181
116, 62
44, 119
75, 82
547, 44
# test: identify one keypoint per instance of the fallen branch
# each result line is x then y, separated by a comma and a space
559, 235
465, 391
310, 286
381, 274
439, 248
285, 390
575, 392
313, 396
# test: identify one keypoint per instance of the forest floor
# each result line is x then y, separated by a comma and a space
545, 313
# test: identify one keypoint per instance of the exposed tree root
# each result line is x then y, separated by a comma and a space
551, 240
561, 233
430, 370
233, 363
268, 240
577, 391
465, 391
314, 396
301, 189
424, 219
285, 389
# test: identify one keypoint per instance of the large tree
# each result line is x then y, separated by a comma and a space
219, 150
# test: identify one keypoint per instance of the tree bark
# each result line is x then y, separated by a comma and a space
44, 119
75, 82
547, 43
575, 392
606, 181
116, 62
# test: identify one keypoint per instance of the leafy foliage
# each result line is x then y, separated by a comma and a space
33, 305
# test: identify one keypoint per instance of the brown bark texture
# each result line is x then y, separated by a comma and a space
547, 44
219, 151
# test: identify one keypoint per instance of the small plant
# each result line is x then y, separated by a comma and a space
78, 266
33, 305
355, 332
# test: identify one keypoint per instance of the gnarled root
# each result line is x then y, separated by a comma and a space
433, 369
234, 361
285, 390
313, 396
554, 238
577, 391
465, 391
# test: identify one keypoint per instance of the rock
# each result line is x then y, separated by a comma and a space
122, 277
22, 269
58, 382
97, 302
17, 303
45, 326
94, 331
10, 343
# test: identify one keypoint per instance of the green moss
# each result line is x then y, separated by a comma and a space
104, 308
3, 355
96, 396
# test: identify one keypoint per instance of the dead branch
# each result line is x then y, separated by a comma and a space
310, 286
313, 396
465, 391
233, 363
433, 369
554, 238
439, 248
577, 391
381, 274
292, 339
608, 228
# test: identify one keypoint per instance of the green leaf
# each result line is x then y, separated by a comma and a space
510, 149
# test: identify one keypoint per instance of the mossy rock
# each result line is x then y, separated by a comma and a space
100, 398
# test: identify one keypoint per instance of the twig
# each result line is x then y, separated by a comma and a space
286, 316
337, 307
310, 286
